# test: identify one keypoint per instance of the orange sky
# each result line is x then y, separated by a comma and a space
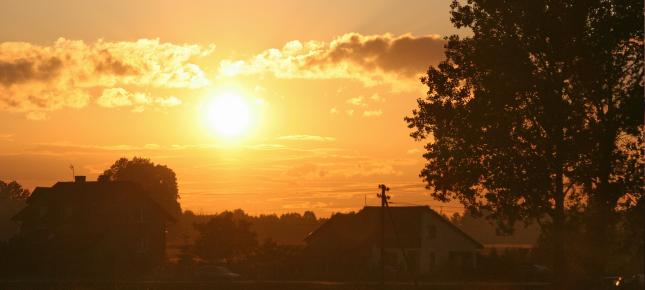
325, 84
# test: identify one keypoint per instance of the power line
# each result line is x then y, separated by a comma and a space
428, 204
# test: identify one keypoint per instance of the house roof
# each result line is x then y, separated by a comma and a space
364, 226
85, 192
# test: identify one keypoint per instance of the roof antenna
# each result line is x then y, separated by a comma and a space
365, 202
72, 168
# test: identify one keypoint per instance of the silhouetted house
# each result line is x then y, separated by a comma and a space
350, 242
90, 229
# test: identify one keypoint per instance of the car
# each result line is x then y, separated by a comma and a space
610, 282
535, 272
215, 272
635, 282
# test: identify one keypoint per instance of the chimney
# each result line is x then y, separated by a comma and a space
79, 178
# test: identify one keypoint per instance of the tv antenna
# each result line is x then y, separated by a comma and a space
71, 167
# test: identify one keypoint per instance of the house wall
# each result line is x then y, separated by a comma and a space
442, 244
121, 229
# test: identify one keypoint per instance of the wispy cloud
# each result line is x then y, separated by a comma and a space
413, 151
6, 137
357, 101
306, 138
120, 97
369, 105
372, 113
36, 79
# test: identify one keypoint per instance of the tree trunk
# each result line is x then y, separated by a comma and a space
601, 203
598, 235
559, 260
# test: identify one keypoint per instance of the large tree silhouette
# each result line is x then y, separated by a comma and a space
512, 114
158, 180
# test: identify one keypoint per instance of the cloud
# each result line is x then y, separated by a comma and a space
371, 59
357, 101
169, 101
6, 137
372, 113
377, 98
120, 97
36, 79
306, 205
366, 104
413, 151
23, 70
308, 170
335, 167
404, 54
306, 138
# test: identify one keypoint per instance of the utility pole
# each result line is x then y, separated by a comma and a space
386, 207
384, 197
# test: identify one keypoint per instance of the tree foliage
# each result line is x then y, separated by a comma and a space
13, 190
13, 198
158, 180
224, 237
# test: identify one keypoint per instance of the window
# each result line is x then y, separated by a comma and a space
143, 245
412, 261
140, 215
432, 260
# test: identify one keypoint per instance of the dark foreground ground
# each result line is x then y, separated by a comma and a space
267, 285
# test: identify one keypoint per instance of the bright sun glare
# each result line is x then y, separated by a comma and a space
229, 114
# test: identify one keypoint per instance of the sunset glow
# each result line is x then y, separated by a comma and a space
322, 144
243, 104
229, 115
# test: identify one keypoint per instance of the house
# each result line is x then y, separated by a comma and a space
347, 242
83, 228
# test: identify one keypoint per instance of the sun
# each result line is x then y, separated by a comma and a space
229, 115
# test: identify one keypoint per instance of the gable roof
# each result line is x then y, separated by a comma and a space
85, 192
456, 228
364, 226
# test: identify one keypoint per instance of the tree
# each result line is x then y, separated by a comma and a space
273, 261
13, 191
158, 180
13, 198
610, 80
507, 113
224, 237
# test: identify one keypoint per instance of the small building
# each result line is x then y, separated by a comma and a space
88, 229
347, 242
